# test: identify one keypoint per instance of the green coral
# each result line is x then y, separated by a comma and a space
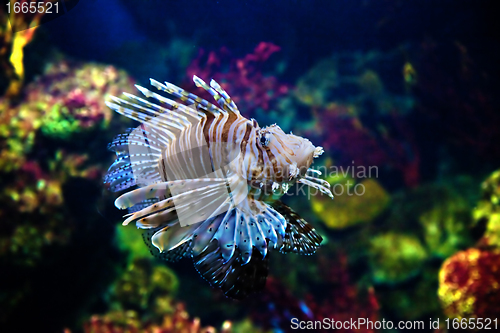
25, 244
487, 209
440, 214
395, 257
58, 123
145, 288
446, 226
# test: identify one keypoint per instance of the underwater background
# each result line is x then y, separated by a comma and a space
407, 90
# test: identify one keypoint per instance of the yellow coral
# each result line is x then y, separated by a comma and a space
347, 210
488, 209
19, 39
409, 74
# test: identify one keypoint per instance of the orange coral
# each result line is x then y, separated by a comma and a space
469, 284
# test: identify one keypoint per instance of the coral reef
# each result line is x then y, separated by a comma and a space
422, 227
487, 210
66, 101
351, 205
400, 237
17, 30
349, 139
469, 280
396, 257
125, 322
469, 284
418, 104
440, 214
446, 225
352, 78
357, 118
51, 169
142, 300
243, 78
146, 289
339, 299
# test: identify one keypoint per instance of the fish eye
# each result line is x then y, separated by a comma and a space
264, 139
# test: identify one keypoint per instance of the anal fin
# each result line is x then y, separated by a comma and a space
236, 279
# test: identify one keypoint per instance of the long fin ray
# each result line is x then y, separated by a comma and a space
228, 102
175, 108
121, 143
180, 203
162, 189
186, 97
141, 205
317, 184
142, 118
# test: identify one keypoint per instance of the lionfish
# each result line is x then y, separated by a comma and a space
208, 182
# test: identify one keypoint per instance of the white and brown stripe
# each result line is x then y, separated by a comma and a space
190, 154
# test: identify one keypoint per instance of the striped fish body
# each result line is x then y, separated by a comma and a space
208, 183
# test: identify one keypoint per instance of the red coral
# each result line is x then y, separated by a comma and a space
241, 78
469, 284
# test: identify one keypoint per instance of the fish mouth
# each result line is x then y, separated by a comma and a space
304, 156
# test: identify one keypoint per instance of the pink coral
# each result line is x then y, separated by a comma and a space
178, 322
242, 78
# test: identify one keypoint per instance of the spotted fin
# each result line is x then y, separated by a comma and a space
181, 251
237, 280
172, 242
129, 170
141, 205
300, 236
138, 137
